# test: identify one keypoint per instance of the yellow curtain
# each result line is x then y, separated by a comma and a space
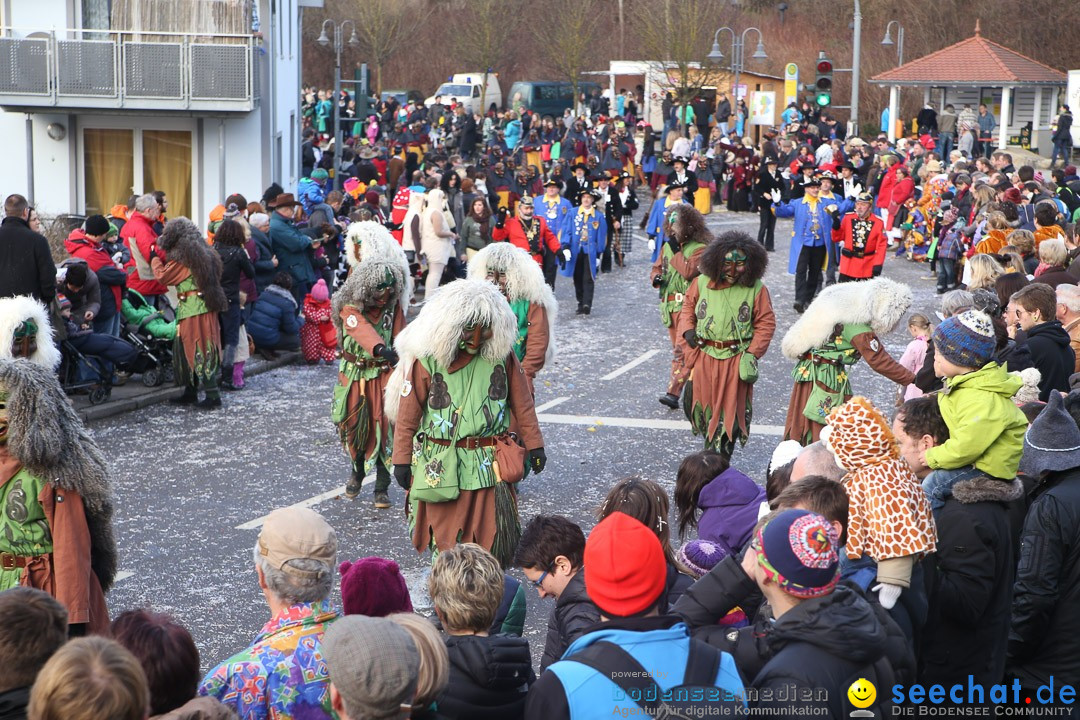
109, 168
167, 167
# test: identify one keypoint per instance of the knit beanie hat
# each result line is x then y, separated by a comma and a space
1052, 443
319, 291
319, 174
797, 551
97, 225
701, 556
625, 569
966, 339
373, 586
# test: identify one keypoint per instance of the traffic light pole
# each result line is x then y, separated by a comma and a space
856, 58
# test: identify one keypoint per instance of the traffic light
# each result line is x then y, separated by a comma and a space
824, 85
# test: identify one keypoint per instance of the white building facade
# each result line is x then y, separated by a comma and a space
103, 99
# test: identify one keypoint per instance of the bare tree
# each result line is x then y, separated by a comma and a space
568, 42
383, 27
482, 34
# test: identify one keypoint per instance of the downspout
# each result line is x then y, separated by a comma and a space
29, 159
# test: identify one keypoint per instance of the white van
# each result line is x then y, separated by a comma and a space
465, 88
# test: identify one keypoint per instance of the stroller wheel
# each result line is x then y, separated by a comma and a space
99, 395
170, 374
152, 377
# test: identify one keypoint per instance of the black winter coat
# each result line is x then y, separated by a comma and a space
26, 264
727, 586
1052, 356
265, 270
969, 585
572, 614
1045, 635
828, 642
765, 184
234, 260
489, 678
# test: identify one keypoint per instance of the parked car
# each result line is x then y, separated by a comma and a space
548, 98
465, 88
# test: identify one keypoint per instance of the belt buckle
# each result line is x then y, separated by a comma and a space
678, 297
8, 561
472, 443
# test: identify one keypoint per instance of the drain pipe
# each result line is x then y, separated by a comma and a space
29, 159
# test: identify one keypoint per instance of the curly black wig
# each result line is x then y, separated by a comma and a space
757, 259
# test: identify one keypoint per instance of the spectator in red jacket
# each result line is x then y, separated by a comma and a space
902, 191
85, 243
861, 240
531, 234
139, 236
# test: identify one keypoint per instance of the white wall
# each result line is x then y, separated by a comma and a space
38, 15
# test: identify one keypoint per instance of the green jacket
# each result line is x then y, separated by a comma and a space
986, 429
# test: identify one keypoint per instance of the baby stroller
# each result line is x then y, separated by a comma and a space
96, 377
152, 332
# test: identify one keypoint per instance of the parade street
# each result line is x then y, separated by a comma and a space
193, 487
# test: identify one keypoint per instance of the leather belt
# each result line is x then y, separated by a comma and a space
363, 362
676, 297
469, 443
720, 345
818, 360
11, 562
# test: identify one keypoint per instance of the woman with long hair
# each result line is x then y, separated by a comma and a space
984, 271
476, 228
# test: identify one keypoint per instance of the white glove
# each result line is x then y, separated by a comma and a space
887, 594
858, 188
597, 263
566, 254
652, 245
776, 196
786, 174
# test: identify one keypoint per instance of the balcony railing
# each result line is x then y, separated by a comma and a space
147, 71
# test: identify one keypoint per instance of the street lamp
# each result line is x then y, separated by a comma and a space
738, 45
338, 44
899, 40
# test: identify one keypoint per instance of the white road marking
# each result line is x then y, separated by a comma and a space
630, 365
310, 502
626, 422
122, 575
551, 403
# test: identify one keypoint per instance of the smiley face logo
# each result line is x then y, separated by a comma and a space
862, 693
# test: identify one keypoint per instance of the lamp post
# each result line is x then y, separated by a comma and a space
738, 44
325, 41
856, 59
887, 40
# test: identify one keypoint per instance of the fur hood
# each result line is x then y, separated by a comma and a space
360, 287
16, 310
181, 241
49, 439
685, 224
524, 281
757, 259
984, 489
436, 331
879, 303
369, 239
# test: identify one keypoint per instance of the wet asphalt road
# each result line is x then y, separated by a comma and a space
190, 487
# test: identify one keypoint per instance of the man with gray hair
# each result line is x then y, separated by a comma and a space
815, 459
283, 672
139, 236
1068, 313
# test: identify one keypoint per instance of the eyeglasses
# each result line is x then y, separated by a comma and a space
538, 583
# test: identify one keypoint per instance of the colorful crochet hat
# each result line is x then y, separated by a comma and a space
701, 556
797, 551
966, 339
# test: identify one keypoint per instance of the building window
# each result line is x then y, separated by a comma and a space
109, 157
167, 166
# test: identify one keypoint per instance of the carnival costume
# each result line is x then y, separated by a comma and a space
672, 273
55, 503
842, 325
183, 260
452, 398
725, 327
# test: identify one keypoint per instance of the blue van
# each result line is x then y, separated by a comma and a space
547, 98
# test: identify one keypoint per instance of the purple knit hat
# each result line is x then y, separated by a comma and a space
701, 556
373, 586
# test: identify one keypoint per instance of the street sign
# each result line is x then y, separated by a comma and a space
791, 83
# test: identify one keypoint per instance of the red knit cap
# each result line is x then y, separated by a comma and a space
625, 569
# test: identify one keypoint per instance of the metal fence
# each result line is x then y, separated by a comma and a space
144, 71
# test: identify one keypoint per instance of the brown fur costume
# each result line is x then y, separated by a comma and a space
183, 242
